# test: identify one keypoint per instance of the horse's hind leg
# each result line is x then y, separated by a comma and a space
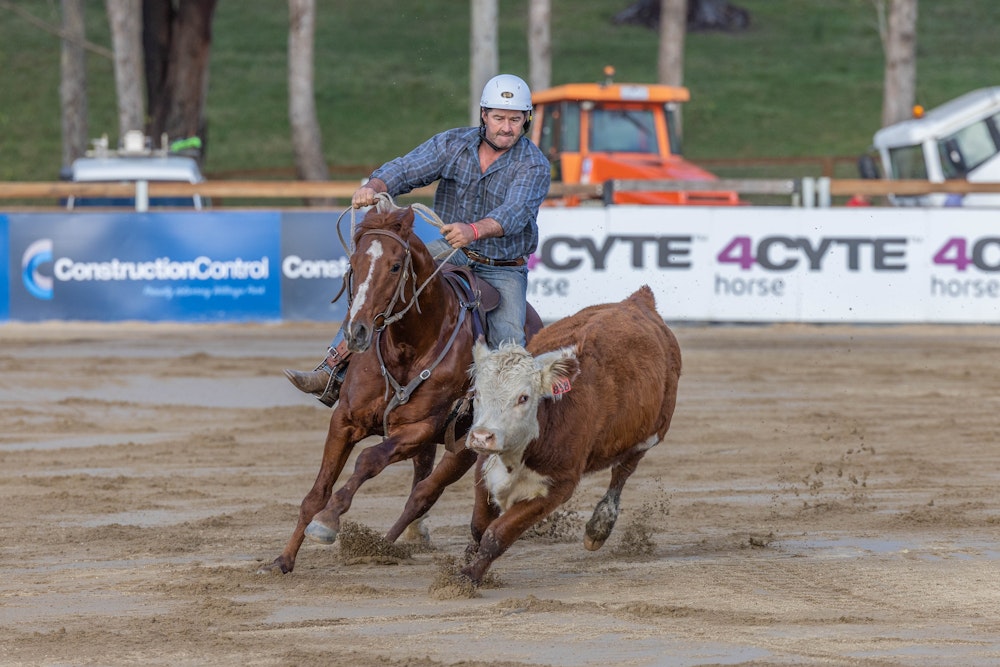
449, 470
606, 513
423, 463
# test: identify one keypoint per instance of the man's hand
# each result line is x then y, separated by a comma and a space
365, 195
458, 234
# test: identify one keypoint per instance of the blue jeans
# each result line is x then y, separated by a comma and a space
506, 321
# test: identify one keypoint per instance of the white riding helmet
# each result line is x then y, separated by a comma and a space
506, 91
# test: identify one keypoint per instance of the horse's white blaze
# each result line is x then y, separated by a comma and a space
374, 252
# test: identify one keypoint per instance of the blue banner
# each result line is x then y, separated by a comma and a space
4, 275
313, 265
192, 266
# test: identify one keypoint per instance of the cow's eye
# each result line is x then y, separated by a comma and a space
522, 399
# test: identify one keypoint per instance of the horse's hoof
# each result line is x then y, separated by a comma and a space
320, 532
273, 568
592, 544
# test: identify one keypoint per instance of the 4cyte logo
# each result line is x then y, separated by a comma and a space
785, 253
984, 254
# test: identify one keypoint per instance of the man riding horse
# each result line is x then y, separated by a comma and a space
491, 182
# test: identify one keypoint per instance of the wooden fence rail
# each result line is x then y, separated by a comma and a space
50, 193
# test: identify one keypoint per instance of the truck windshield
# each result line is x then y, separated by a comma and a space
623, 130
908, 162
968, 148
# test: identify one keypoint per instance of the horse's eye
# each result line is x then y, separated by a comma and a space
396, 267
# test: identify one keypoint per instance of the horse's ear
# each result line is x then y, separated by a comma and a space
406, 221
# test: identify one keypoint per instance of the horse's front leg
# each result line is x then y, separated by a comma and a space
340, 441
403, 443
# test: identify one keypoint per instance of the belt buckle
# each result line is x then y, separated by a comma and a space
482, 259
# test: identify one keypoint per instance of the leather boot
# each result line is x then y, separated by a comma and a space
325, 380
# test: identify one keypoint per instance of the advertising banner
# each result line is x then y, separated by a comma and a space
773, 264
313, 265
744, 264
192, 266
4, 275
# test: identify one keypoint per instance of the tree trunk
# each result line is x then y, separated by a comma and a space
673, 27
73, 83
126, 36
484, 60
900, 44
540, 44
177, 47
307, 140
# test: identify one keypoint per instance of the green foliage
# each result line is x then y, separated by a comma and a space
804, 80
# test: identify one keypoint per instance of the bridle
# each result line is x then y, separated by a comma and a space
406, 271
400, 394
384, 204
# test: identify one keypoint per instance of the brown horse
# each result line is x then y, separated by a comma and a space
411, 330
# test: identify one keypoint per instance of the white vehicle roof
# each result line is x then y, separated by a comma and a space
941, 121
175, 168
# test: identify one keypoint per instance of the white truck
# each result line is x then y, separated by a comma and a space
137, 161
958, 140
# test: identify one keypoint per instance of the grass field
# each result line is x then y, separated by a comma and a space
804, 80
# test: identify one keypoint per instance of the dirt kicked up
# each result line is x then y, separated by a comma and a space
826, 495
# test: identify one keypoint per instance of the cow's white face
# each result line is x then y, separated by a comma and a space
509, 383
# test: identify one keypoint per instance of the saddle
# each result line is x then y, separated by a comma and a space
480, 297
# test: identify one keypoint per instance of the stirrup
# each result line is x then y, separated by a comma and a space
336, 365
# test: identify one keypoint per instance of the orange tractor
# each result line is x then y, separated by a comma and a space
596, 132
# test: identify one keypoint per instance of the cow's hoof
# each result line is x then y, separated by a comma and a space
320, 532
277, 567
591, 544
468, 573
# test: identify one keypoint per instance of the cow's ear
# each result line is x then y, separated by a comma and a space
558, 370
480, 350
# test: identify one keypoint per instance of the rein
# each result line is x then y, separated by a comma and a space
385, 204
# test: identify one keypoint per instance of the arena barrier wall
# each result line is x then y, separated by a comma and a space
752, 264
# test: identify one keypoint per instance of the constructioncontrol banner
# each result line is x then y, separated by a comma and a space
197, 266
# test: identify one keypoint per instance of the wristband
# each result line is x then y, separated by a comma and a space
474, 230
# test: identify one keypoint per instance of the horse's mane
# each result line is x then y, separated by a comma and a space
398, 221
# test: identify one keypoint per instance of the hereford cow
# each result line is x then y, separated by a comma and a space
592, 391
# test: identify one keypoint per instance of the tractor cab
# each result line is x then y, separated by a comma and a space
595, 132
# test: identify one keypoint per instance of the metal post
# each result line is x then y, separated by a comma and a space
142, 196
823, 192
808, 192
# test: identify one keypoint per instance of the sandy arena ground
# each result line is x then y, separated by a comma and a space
827, 495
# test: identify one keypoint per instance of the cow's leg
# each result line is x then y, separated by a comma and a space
450, 469
606, 513
484, 511
511, 525
340, 441
404, 443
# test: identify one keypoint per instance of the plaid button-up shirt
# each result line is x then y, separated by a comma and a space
510, 191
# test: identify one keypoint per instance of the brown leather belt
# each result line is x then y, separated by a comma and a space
483, 259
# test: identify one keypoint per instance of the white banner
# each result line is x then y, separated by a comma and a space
763, 264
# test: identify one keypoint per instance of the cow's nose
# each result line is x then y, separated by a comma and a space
482, 440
